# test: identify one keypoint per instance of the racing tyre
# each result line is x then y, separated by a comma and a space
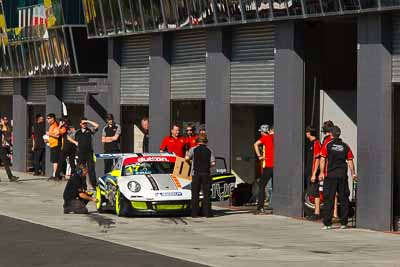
100, 200
121, 205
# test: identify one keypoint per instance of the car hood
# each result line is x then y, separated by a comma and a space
156, 182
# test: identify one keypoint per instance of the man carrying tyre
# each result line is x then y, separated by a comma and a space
336, 157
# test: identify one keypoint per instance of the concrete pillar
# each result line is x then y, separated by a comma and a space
114, 74
160, 90
374, 117
20, 120
218, 108
96, 110
53, 105
289, 119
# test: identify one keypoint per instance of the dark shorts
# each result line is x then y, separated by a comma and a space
313, 189
54, 154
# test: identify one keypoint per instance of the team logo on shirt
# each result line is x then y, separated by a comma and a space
338, 148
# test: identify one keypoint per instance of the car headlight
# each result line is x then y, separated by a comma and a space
134, 186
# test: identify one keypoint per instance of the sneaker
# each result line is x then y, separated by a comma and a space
14, 178
259, 211
52, 178
314, 217
343, 226
327, 227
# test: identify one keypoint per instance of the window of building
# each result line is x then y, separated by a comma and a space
386, 3
264, 8
147, 8
182, 8
369, 4
170, 13
251, 6
137, 16
235, 10
329, 6
280, 8
312, 7
202, 12
350, 4
294, 7
98, 17
116, 15
108, 16
222, 11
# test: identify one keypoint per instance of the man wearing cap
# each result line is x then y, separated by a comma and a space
202, 158
267, 161
336, 157
202, 129
110, 138
174, 143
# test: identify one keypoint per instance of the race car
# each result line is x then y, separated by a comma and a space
141, 184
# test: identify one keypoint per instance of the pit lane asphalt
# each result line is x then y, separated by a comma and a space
27, 244
233, 238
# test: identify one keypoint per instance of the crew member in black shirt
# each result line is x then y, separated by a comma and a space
336, 156
145, 129
83, 140
38, 145
110, 139
202, 158
75, 195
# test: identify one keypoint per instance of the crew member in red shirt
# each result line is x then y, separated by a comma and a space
267, 161
174, 143
327, 133
191, 136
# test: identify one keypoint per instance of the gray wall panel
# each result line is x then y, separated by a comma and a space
69, 93
135, 52
6, 87
37, 91
396, 48
374, 107
20, 121
289, 120
188, 65
252, 65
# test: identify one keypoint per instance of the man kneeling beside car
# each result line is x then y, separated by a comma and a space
75, 195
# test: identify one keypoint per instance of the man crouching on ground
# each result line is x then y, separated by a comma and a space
75, 195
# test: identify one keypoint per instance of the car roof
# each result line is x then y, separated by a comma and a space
139, 155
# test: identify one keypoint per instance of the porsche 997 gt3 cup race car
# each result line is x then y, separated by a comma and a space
145, 184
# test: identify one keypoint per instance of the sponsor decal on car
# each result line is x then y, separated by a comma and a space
169, 194
148, 159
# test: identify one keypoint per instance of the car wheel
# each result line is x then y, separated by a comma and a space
309, 205
100, 200
121, 205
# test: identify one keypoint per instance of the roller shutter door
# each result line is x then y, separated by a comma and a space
188, 65
252, 65
37, 91
135, 84
6, 87
69, 93
396, 49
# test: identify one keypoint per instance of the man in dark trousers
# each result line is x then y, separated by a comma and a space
83, 140
3, 152
75, 195
110, 139
267, 162
38, 145
202, 158
336, 156
313, 150
68, 149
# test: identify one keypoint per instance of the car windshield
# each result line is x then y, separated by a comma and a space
140, 168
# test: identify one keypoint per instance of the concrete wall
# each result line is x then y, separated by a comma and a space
341, 108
